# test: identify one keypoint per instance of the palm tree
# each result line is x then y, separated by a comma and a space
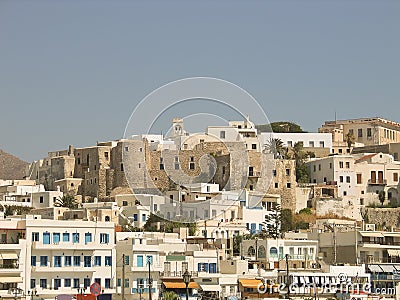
350, 139
67, 200
275, 146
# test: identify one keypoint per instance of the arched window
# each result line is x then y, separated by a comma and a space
107, 218
262, 253
251, 251
273, 252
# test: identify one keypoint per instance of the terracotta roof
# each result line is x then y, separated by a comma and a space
365, 157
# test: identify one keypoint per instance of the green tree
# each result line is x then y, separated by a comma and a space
170, 295
299, 156
275, 146
67, 200
237, 241
272, 223
382, 197
350, 139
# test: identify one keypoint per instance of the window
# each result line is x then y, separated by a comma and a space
35, 236
76, 283
98, 280
314, 168
122, 167
67, 261
341, 164
57, 283
108, 261
341, 178
290, 144
88, 238
97, 261
202, 267
155, 207
57, 261
360, 132
344, 193
276, 185
254, 146
104, 238
135, 217
43, 261
340, 150
106, 155
127, 260
143, 217
359, 178
347, 165
77, 261
43, 283
287, 172
126, 282
140, 260
274, 173
191, 164
319, 167
369, 132
311, 144
87, 261
322, 144
56, 237
75, 237
222, 134
86, 282
396, 177
41, 199
348, 179
67, 282
33, 283
213, 268
33, 261
118, 281
46, 238
65, 237
288, 185
107, 283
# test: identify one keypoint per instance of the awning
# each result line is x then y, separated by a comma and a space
393, 252
250, 283
180, 285
11, 279
387, 268
371, 233
375, 268
210, 288
8, 255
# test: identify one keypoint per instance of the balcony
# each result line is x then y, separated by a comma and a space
9, 268
178, 274
71, 246
51, 269
254, 174
377, 182
145, 268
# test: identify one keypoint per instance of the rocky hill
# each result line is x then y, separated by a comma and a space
11, 167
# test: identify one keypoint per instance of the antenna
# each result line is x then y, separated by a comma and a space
335, 117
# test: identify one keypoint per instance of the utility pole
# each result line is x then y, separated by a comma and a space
150, 280
287, 275
123, 278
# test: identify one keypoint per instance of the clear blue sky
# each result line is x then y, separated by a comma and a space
71, 72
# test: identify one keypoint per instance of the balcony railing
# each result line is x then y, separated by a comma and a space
377, 182
177, 274
9, 266
254, 174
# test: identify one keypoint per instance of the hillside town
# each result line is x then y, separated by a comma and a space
240, 211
